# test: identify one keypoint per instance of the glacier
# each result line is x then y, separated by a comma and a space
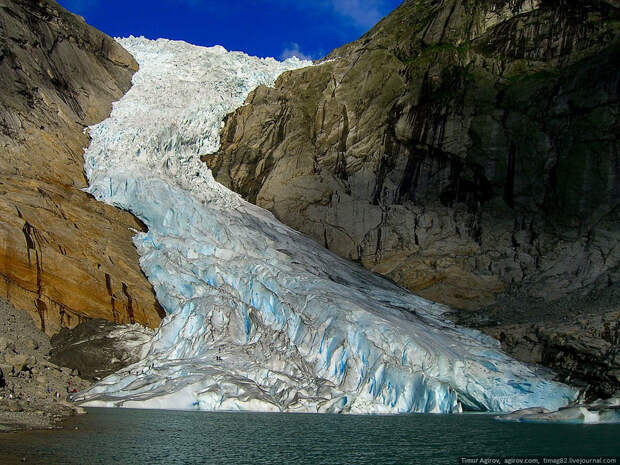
260, 317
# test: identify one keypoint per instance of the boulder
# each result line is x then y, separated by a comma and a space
29, 344
20, 362
6, 345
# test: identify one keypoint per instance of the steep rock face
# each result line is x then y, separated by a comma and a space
463, 148
63, 256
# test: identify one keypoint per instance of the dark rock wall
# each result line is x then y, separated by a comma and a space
98, 348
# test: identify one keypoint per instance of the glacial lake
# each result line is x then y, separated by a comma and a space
119, 436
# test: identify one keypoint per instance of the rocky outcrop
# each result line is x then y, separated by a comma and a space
578, 337
63, 256
583, 350
466, 149
599, 411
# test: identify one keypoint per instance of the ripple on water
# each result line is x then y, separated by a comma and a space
107, 436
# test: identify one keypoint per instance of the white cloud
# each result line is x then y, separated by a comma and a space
364, 13
292, 50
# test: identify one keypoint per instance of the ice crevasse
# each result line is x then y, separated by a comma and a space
260, 317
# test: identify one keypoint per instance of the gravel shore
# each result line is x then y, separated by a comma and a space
33, 390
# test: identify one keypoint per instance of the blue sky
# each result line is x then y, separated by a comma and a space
278, 28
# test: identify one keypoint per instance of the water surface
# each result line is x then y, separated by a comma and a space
123, 436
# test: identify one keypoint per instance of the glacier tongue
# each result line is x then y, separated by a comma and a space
259, 316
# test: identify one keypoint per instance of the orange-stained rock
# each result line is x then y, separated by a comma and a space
64, 257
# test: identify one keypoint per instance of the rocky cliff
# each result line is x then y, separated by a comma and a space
468, 150
462, 148
63, 256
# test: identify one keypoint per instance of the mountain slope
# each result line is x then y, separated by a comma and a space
63, 256
463, 148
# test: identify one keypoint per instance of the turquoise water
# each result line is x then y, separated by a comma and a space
115, 436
